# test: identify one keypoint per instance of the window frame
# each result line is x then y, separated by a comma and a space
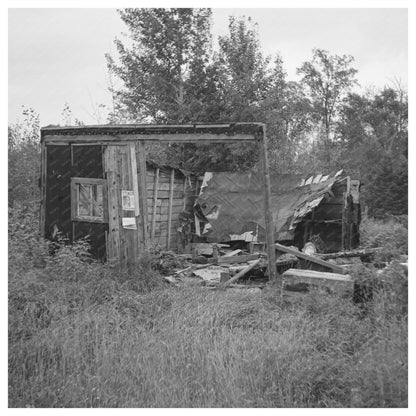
75, 199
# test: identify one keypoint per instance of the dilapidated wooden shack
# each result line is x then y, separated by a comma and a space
96, 182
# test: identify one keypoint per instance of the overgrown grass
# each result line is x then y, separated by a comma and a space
82, 334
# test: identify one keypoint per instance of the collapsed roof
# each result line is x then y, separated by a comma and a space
231, 205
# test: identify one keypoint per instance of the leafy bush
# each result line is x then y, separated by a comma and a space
391, 235
24, 158
26, 248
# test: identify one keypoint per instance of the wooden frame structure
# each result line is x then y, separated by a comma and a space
133, 138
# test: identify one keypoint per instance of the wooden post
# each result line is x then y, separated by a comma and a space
155, 190
115, 241
142, 172
343, 223
172, 181
184, 193
348, 230
271, 254
43, 189
132, 151
119, 171
119, 199
215, 253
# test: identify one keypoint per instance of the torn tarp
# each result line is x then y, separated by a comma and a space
232, 203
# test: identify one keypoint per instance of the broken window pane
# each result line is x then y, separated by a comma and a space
97, 201
90, 201
84, 200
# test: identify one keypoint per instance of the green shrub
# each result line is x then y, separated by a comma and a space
391, 235
26, 248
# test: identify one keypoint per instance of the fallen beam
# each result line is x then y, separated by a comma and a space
338, 283
352, 253
241, 273
312, 259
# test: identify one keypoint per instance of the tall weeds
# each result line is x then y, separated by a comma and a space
83, 334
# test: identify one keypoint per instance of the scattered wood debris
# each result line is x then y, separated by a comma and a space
219, 266
211, 269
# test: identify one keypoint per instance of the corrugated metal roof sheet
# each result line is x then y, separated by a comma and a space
233, 202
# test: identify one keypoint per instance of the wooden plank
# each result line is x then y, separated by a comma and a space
250, 127
193, 137
155, 191
50, 141
336, 277
339, 283
141, 158
135, 184
172, 179
271, 253
352, 253
312, 259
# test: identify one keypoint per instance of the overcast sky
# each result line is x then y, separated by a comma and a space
56, 56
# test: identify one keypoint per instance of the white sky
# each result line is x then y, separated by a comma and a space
56, 56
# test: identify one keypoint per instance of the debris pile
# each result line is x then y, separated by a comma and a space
215, 265
218, 265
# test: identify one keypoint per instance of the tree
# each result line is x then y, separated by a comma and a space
248, 74
168, 75
328, 79
24, 158
163, 72
373, 132
288, 114
245, 80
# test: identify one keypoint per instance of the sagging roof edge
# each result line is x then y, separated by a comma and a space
124, 129
300, 209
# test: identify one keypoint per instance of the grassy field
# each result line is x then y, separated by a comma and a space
83, 334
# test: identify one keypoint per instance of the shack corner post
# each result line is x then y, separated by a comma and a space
268, 217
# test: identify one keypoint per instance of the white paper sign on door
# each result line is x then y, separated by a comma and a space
127, 200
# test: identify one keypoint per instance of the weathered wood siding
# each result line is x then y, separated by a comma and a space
183, 190
169, 192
